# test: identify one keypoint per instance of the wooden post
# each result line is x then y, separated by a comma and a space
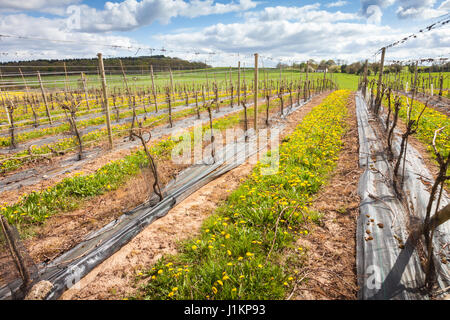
15, 253
364, 88
255, 117
153, 88
307, 80
1, 81
380, 77
24, 81
6, 110
86, 94
171, 84
65, 78
239, 84
125, 81
45, 98
105, 98
281, 67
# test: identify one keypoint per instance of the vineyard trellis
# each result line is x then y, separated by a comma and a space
389, 92
49, 116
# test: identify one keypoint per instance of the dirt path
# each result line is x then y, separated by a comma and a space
330, 266
115, 277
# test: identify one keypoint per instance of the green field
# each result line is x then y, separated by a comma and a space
58, 83
199, 76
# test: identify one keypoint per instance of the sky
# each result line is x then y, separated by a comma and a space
223, 32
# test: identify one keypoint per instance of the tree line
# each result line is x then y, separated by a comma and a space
358, 67
133, 64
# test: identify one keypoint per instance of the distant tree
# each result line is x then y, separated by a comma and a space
375, 67
134, 64
334, 69
312, 64
395, 67
354, 68
282, 65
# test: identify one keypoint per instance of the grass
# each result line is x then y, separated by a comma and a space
230, 258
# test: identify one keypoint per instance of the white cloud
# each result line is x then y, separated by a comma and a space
78, 44
50, 6
406, 9
290, 33
339, 3
289, 40
275, 32
374, 14
419, 9
445, 5
301, 14
365, 4
131, 14
372, 9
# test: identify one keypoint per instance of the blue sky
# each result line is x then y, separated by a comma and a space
289, 30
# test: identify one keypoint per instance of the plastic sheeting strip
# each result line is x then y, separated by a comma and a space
385, 269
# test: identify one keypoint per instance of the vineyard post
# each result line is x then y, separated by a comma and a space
306, 79
6, 110
414, 88
45, 98
207, 83
255, 117
15, 253
125, 81
364, 89
281, 68
153, 88
10, 110
231, 87
429, 77
105, 98
380, 78
86, 94
171, 83
65, 78
239, 84
24, 81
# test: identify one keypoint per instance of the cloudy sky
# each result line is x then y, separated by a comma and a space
221, 32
